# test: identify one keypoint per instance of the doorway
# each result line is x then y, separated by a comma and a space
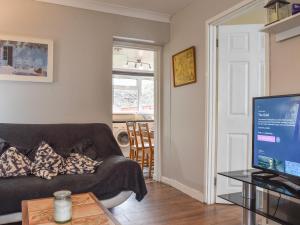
241, 63
237, 59
136, 94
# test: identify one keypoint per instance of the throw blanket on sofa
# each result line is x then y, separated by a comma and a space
114, 175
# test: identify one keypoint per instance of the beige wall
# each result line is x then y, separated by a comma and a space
83, 39
285, 66
82, 71
184, 107
256, 15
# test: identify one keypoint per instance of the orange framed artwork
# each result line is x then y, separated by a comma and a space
184, 67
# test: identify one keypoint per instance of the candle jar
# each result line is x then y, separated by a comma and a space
62, 206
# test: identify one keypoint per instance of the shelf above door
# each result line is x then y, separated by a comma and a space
284, 29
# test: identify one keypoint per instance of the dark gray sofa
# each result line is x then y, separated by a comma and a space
114, 175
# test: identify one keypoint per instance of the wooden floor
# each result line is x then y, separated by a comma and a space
165, 205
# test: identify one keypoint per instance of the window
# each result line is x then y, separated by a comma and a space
133, 81
133, 94
147, 96
125, 82
5, 53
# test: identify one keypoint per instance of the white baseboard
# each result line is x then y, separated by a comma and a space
183, 188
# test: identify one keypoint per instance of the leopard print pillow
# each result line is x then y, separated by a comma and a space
13, 164
47, 163
79, 164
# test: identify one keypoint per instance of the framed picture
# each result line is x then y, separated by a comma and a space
26, 59
184, 67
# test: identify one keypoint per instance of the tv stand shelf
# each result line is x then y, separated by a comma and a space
282, 205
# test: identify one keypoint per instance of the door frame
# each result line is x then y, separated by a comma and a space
157, 97
212, 90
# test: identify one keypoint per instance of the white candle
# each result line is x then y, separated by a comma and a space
62, 207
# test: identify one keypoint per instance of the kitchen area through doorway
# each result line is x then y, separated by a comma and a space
133, 85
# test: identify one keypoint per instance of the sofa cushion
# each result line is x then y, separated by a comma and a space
3, 146
47, 163
13, 164
79, 164
85, 147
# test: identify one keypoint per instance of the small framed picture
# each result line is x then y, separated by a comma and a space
26, 59
184, 67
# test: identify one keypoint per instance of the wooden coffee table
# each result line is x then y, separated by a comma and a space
87, 210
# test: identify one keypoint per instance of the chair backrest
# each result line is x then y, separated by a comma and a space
145, 135
131, 130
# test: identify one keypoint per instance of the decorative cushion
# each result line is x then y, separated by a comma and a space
79, 164
85, 147
3, 146
47, 162
13, 164
64, 152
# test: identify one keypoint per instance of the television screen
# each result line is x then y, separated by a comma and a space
276, 134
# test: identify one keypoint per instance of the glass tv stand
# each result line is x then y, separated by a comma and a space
267, 198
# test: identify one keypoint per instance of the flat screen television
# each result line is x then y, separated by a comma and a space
276, 135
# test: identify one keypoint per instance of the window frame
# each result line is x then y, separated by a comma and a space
139, 78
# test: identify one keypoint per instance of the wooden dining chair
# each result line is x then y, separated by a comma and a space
135, 147
147, 147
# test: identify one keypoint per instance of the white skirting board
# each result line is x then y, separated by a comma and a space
183, 188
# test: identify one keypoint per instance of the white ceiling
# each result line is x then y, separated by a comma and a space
161, 6
156, 10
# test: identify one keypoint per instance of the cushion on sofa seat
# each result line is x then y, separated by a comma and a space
3, 146
13, 164
47, 163
85, 147
79, 164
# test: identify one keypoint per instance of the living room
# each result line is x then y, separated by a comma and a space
56, 84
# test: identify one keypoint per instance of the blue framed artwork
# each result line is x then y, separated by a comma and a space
26, 59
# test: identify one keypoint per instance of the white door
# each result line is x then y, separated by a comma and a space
241, 77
